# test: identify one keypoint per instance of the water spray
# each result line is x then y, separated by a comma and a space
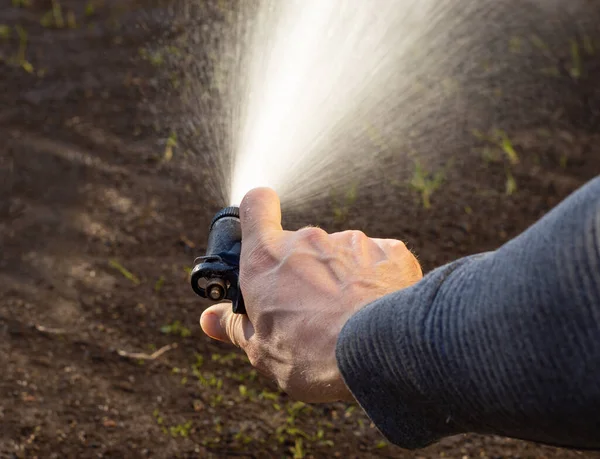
216, 275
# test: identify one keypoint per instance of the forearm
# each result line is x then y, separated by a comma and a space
506, 342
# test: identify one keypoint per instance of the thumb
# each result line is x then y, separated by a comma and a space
220, 323
260, 214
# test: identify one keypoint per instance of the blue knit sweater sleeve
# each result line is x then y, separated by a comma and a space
504, 342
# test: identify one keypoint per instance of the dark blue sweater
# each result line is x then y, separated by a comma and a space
505, 342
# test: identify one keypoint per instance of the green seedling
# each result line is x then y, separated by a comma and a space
319, 438
197, 365
59, 20
209, 380
124, 272
176, 328
576, 66
342, 205
159, 283
178, 430
21, 60
515, 45
376, 137
181, 430
266, 395
226, 359
563, 161
215, 400
90, 9
243, 438
4, 31
506, 145
511, 184
426, 183
539, 44
588, 45
499, 139
552, 71
297, 450
171, 144
154, 57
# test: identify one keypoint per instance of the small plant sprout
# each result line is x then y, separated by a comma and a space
181, 430
297, 450
425, 183
21, 60
376, 137
59, 20
90, 8
576, 69
343, 204
171, 144
176, 329
507, 147
4, 31
515, 44
588, 45
124, 272
511, 184
159, 283
178, 430
155, 58
499, 139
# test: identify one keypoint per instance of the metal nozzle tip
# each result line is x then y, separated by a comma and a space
216, 292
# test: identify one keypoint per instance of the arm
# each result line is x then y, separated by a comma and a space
505, 342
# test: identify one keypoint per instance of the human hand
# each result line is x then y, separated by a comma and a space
300, 288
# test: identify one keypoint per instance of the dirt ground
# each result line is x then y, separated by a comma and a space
102, 212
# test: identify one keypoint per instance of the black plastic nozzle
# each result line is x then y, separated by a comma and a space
216, 275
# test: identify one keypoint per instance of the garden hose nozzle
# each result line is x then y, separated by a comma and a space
216, 275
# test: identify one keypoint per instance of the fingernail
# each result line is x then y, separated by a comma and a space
211, 325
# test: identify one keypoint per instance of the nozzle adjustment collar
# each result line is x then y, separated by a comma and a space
232, 211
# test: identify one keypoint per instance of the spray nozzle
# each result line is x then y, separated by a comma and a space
216, 275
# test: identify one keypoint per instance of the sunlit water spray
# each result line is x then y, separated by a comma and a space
314, 95
325, 85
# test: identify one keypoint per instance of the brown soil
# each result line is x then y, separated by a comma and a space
86, 191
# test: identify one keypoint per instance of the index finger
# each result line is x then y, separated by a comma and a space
260, 214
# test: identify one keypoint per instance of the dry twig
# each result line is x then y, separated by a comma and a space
144, 356
53, 331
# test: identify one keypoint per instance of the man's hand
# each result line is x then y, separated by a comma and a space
300, 288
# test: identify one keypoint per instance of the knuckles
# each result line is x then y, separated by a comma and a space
354, 236
312, 235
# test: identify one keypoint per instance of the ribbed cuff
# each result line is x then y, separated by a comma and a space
385, 356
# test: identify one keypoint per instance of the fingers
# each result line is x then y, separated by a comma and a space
220, 323
390, 245
397, 249
260, 214
358, 242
